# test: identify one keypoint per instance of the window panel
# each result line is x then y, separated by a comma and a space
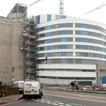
48, 34
38, 49
84, 39
63, 47
48, 47
84, 54
84, 47
63, 25
38, 29
38, 42
84, 25
48, 17
84, 32
38, 55
63, 39
63, 17
38, 36
69, 39
69, 54
48, 27
63, 54
63, 32
49, 41
38, 19
49, 54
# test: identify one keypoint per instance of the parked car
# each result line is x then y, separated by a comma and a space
32, 88
97, 87
104, 89
87, 88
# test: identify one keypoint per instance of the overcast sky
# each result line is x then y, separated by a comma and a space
74, 8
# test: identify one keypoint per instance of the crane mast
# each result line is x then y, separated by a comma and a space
61, 6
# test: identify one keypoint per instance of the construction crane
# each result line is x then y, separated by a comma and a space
61, 5
96, 8
35, 2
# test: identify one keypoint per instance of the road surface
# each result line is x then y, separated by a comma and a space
54, 97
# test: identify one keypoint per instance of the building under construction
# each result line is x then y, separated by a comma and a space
17, 46
68, 48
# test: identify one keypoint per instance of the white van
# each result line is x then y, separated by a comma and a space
19, 84
32, 88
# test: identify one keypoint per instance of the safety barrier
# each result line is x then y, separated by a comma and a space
8, 90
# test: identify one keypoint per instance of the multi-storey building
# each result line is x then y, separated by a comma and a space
70, 48
17, 45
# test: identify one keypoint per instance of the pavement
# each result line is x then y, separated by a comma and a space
11, 98
85, 91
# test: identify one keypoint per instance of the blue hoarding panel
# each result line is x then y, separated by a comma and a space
104, 80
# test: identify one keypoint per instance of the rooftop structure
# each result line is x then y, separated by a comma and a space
19, 10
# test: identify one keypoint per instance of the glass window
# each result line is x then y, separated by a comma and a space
69, 46
48, 27
69, 39
63, 32
84, 39
84, 32
42, 35
63, 25
69, 54
78, 54
63, 47
38, 42
90, 54
77, 32
42, 55
48, 47
42, 28
48, 17
63, 17
69, 32
38, 29
78, 47
38, 36
85, 54
54, 54
38, 55
48, 34
84, 25
38, 49
63, 40
63, 54
49, 54
38, 19
69, 25
84, 47
41, 48
49, 41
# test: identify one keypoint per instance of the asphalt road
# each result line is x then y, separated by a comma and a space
54, 97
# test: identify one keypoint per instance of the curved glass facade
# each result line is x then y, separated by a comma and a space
70, 47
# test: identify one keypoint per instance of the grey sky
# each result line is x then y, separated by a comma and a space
75, 8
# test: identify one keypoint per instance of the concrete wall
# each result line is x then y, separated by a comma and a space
100, 74
11, 58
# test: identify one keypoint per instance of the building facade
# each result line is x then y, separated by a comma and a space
69, 48
11, 57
